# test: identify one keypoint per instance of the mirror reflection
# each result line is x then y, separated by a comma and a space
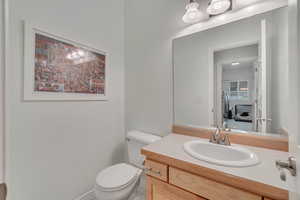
234, 76
237, 84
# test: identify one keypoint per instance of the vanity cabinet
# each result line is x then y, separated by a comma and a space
165, 182
157, 170
207, 188
160, 190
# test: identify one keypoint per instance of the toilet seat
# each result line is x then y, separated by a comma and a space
117, 177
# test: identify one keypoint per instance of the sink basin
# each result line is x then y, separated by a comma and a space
232, 156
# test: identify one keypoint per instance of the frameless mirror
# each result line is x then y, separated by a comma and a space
234, 76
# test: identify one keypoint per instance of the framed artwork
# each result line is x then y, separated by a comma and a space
57, 68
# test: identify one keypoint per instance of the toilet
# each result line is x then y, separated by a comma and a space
119, 181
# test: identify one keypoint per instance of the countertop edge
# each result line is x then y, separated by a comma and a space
219, 176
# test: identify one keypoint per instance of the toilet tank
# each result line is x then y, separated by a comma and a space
136, 140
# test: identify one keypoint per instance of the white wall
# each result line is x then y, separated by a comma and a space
149, 29
2, 64
294, 82
237, 54
55, 149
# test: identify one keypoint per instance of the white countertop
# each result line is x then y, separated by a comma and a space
265, 172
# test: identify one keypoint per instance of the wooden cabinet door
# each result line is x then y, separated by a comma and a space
207, 188
159, 190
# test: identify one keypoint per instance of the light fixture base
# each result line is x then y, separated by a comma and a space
192, 14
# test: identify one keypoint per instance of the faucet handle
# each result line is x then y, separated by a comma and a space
218, 130
212, 138
225, 140
215, 137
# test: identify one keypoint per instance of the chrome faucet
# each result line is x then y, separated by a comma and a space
225, 140
217, 138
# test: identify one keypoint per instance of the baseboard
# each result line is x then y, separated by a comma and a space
90, 195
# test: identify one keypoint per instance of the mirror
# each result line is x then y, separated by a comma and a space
234, 76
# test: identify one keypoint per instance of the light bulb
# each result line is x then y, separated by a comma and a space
74, 54
217, 7
80, 53
235, 63
193, 14
69, 56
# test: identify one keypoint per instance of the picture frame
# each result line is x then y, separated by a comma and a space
57, 68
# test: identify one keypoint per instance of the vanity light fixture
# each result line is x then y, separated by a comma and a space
216, 7
192, 14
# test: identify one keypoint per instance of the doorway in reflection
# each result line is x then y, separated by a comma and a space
237, 83
238, 95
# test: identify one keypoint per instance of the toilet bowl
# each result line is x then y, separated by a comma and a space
118, 182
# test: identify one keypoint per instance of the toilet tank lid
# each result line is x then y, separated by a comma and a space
142, 137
